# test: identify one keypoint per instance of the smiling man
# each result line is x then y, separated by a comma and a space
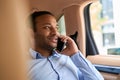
47, 63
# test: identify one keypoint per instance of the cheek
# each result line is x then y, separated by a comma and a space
41, 36
42, 32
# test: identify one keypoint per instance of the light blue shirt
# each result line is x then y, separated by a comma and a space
61, 67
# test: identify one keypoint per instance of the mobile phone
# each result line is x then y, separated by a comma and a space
60, 45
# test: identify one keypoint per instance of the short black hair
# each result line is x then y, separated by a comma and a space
36, 14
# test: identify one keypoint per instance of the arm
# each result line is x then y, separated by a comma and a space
88, 70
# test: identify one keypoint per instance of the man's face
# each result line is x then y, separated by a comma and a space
46, 33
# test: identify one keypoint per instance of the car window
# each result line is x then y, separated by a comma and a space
61, 24
105, 26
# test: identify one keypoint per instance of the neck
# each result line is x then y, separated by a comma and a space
44, 52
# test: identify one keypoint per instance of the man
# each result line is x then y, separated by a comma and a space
47, 63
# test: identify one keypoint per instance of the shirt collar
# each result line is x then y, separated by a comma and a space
36, 54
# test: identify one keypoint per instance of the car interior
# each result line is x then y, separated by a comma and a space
72, 16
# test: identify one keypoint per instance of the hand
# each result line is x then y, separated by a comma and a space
71, 47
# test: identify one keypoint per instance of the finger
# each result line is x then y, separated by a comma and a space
63, 38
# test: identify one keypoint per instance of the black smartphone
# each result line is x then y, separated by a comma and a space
60, 45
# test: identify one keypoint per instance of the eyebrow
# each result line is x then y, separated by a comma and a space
49, 24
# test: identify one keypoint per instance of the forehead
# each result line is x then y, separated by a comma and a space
45, 19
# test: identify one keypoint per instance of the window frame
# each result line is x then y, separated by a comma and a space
91, 48
92, 52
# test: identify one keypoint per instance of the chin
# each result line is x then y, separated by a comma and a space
54, 46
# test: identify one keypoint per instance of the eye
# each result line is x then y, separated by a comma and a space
50, 27
47, 26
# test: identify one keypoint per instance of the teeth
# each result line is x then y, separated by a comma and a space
53, 39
